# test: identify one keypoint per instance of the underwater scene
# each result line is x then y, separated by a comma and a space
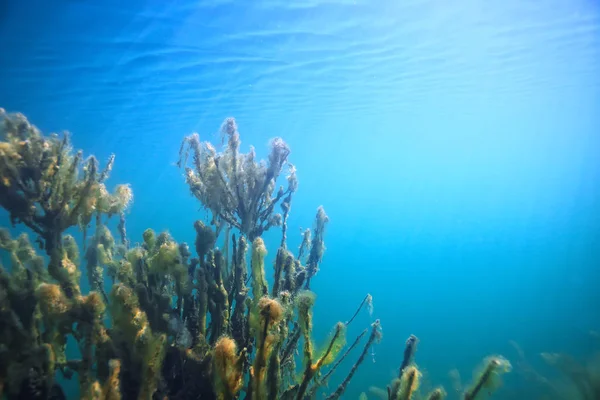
312, 199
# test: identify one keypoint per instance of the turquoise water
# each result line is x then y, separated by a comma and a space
454, 145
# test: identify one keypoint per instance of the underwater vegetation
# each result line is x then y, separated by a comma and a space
163, 320
173, 325
573, 379
408, 381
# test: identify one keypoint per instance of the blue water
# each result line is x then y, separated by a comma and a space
454, 145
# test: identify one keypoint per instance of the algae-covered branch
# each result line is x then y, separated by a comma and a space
163, 320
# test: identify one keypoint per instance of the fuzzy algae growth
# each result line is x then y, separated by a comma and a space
174, 324
408, 382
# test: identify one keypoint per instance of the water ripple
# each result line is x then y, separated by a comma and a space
179, 61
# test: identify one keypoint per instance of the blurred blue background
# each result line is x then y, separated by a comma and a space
454, 145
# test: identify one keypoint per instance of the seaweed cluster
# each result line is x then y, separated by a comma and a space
159, 321
406, 385
583, 378
577, 379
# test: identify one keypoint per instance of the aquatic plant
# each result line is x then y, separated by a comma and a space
173, 324
236, 188
584, 377
47, 187
406, 385
488, 379
578, 379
